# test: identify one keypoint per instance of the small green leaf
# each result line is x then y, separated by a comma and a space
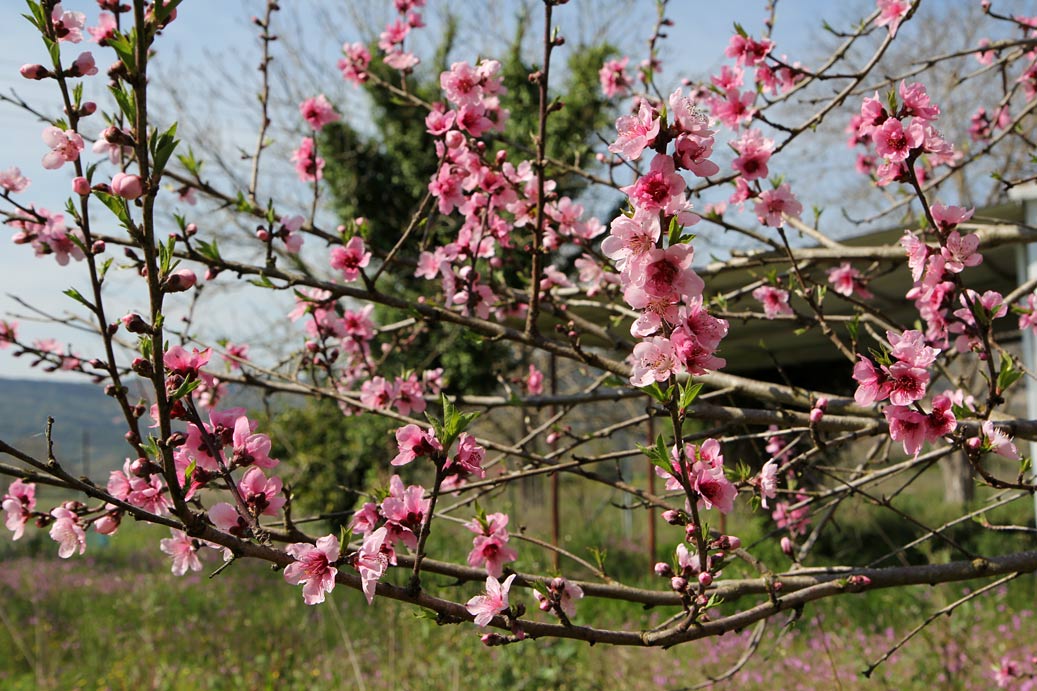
117, 205
1008, 374
78, 297
187, 387
689, 392
189, 472
657, 392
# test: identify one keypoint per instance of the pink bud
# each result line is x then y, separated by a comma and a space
815, 415
662, 569
454, 139
87, 109
127, 186
786, 546
545, 605
822, 403
678, 583
672, 517
733, 542
263, 234
139, 466
36, 72
705, 578
80, 186
108, 523
190, 230
179, 281
97, 247
84, 65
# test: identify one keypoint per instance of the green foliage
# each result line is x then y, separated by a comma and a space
329, 455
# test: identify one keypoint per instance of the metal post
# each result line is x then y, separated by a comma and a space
1026, 263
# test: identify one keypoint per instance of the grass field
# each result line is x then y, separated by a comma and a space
116, 618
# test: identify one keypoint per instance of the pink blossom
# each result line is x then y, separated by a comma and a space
105, 29
917, 252
68, 26
767, 481
404, 510
873, 384
665, 275
614, 78
67, 532
999, 441
776, 203
947, 217
775, 301
894, 142
313, 567
654, 361
754, 151
748, 51
909, 347
372, 560
177, 360
906, 426
636, 132
251, 448
631, 238
660, 188
413, 443
9, 335
562, 592
83, 66
493, 551
795, 520
891, 13
308, 165
916, 102
846, 280
351, 258
317, 111
18, 504
65, 146
183, 551
145, 491
469, 457
354, 65
495, 601
12, 180
735, 108
262, 494
535, 381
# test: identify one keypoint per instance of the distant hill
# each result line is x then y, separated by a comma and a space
87, 424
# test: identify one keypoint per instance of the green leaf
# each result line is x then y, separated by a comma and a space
689, 392
1008, 374
209, 250
657, 392
263, 282
117, 205
189, 472
123, 47
190, 163
162, 148
454, 422
78, 297
675, 231
658, 454
187, 387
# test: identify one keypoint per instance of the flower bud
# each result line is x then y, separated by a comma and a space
179, 281
135, 323
98, 247
672, 517
80, 186
142, 367
705, 578
190, 230
663, 569
678, 583
87, 109
35, 72
454, 139
108, 523
127, 186
786, 546
139, 466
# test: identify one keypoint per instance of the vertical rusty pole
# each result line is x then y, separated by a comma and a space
556, 529
651, 490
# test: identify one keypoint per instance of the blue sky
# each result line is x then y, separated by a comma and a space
213, 38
